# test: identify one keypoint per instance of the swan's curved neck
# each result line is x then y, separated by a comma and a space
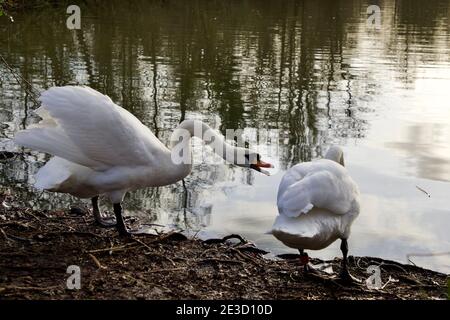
180, 145
199, 129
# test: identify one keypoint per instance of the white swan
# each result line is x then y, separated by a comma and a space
100, 148
317, 203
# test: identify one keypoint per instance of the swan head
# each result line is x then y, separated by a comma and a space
253, 161
336, 154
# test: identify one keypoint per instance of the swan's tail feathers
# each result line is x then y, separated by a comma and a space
293, 231
47, 136
103, 132
85, 127
52, 140
52, 176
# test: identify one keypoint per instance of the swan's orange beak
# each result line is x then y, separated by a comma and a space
261, 164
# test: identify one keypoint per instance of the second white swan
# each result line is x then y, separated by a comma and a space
317, 203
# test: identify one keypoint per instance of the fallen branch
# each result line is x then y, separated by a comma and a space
97, 263
206, 260
224, 239
18, 224
161, 256
127, 246
245, 256
7, 239
166, 270
28, 288
11, 237
70, 233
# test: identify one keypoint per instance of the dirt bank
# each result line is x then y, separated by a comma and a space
36, 248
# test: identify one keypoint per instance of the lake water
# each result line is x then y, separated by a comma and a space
313, 70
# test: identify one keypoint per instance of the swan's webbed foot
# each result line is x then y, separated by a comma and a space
309, 268
345, 276
348, 278
304, 261
101, 220
309, 271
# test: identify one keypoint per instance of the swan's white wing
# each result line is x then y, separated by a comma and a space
295, 174
286, 226
322, 184
86, 127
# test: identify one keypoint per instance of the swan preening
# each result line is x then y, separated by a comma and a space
100, 148
317, 203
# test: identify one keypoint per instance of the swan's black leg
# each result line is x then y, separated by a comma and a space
121, 227
99, 219
345, 275
344, 249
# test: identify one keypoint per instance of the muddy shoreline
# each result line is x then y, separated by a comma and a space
37, 247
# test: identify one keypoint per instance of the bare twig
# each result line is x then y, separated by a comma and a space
393, 265
127, 246
70, 233
4, 235
206, 260
16, 223
142, 243
152, 251
431, 254
161, 256
30, 88
166, 270
207, 251
97, 263
245, 256
28, 288
390, 280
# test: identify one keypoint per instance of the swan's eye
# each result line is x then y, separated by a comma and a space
247, 160
252, 158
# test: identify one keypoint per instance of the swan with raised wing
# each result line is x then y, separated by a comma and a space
101, 148
317, 204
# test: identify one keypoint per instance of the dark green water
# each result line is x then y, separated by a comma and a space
314, 70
